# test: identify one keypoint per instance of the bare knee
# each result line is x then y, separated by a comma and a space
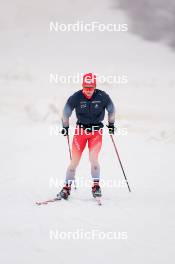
73, 165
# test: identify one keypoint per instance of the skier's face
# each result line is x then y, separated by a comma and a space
88, 91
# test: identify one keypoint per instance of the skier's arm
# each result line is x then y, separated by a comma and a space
67, 111
111, 111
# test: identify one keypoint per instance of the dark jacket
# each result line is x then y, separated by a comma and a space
89, 111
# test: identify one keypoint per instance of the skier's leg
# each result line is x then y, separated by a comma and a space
78, 145
94, 145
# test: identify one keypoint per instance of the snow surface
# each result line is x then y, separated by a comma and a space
32, 158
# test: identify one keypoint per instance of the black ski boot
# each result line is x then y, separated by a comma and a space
96, 190
65, 192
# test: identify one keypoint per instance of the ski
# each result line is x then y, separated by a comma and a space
49, 201
97, 199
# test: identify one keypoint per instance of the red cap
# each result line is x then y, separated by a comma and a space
89, 80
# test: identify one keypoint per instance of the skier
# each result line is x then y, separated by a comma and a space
89, 104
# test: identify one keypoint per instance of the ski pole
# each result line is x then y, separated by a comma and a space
120, 162
68, 142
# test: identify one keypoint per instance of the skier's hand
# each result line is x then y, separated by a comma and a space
65, 131
111, 128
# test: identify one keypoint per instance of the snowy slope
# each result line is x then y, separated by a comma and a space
32, 159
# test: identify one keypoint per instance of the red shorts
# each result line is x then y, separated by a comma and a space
81, 137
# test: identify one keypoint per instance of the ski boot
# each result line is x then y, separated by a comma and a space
96, 190
65, 192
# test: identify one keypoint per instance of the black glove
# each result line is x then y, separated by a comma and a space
65, 131
111, 128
